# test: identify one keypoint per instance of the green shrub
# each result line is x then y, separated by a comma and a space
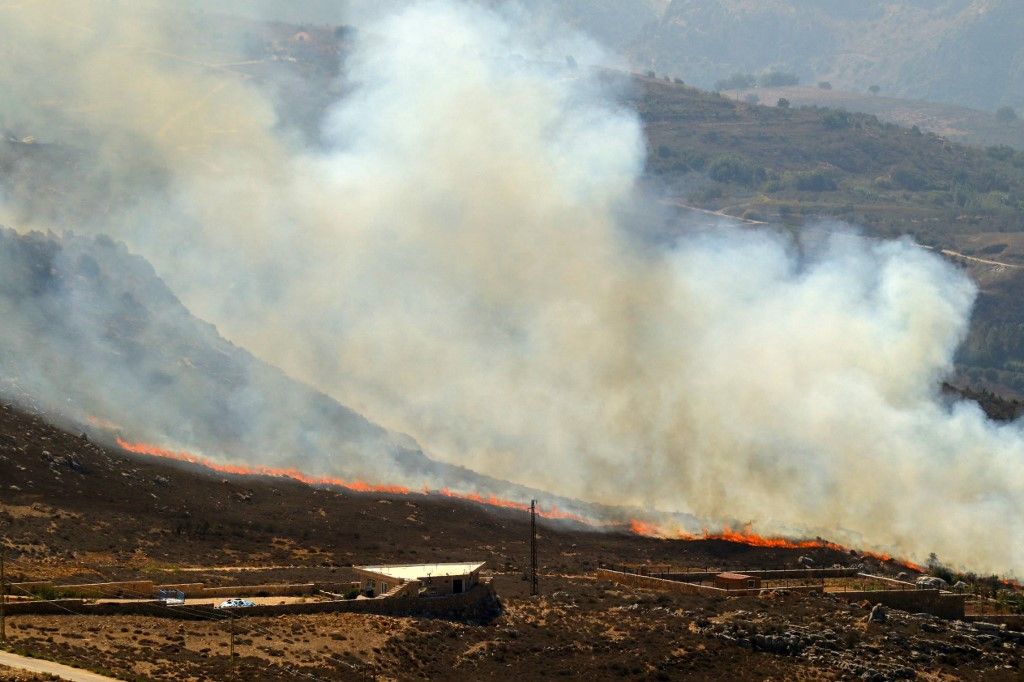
814, 181
736, 169
909, 179
1001, 152
836, 120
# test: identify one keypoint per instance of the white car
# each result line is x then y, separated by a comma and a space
235, 604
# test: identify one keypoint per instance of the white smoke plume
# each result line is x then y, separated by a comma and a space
451, 259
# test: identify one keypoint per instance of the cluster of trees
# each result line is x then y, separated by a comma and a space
770, 79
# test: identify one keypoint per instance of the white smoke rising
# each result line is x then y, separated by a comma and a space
452, 262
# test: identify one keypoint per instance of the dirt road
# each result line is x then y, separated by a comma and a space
64, 672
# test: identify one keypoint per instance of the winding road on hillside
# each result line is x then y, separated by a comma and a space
36, 665
949, 253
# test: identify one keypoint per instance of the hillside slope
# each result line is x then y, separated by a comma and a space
804, 166
74, 511
94, 338
952, 122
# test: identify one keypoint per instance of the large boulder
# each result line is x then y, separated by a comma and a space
930, 582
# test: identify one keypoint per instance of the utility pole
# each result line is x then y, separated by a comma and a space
533, 547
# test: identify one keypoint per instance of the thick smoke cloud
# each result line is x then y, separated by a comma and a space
451, 260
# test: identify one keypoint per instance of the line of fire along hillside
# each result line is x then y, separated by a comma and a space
635, 526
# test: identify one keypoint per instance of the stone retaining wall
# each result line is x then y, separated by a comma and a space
252, 591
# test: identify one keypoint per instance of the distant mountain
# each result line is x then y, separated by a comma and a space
966, 52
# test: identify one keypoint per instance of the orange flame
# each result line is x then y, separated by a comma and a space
550, 512
635, 526
750, 538
358, 486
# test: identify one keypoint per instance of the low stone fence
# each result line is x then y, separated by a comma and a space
131, 588
55, 607
942, 604
678, 586
782, 574
1010, 620
479, 603
146, 589
664, 585
188, 588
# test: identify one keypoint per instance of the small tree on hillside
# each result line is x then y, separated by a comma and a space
875, 89
1006, 115
824, 85
783, 103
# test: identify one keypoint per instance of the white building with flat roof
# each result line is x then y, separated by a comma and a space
437, 579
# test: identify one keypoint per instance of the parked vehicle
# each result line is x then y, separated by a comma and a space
171, 597
235, 604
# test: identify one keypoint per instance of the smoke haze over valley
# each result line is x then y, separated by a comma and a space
455, 244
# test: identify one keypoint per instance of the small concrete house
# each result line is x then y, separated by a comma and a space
737, 581
436, 579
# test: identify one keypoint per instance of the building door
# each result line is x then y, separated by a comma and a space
457, 585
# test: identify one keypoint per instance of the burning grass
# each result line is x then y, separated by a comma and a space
636, 526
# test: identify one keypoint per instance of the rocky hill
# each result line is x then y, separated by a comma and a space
94, 339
